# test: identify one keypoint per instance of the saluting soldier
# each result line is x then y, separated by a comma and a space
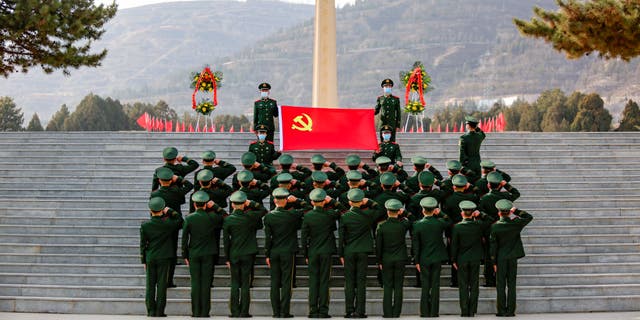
281, 244
425, 181
470, 145
506, 249
388, 106
300, 173
391, 251
354, 246
240, 248
388, 148
264, 149
173, 161
320, 180
259, 171
157, 253
320, 163
216, 189
419, 164
466, 254
354, 163
487, 167
355, 180
264, 110
255, 190
384, 164
429, 253
318, 244
220, 169
286, 181
199, 246
390, 185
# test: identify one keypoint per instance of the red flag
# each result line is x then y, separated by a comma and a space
231, 130
190, 128
503, 124
143, 121
420, 129
430, 128
304, 128
222, 128
241, 129
411, 130
462, 127
455, 127
168, 126
212, 128
446, 127
439, 128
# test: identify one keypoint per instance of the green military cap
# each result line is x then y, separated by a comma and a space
355, 195
467, 205
386, 82
426, 178
284, 177
419, 160
238, 197
317, 194
245, 176
261, 127
285, 159
205, 175
454, 165
470, 119
459, 180
164, 173
156, 204
487, 164
354, 175
429, 202
264, 86
383, 160
353, 160
388, 179
393, 204
208, 156
504, 205
248, 158
319, 176
280, 193
386, 127
170, 153
200, 196
494, 177
318, 159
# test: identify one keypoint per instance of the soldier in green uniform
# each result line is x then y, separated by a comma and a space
220, 169
157, 253
388, 148
355, 180
419, 165
281, 244
429, 253
217, 190
426, 180
320, 180
506, 249
199, 246
240, 248
318, 244
264, 110
470, 145
259, 171
389, 185
354, 163
466, 254
286, 181
384, 164
320, 163
264, 149
388, 106
173, 190
391, 251
487, 167
173, 161
299, 173
255, 190
355, 243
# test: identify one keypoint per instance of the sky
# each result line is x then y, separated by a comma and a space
123, 4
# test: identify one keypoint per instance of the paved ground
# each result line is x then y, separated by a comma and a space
544, 316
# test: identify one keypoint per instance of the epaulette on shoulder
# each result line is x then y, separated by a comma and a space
271, 142
254, 142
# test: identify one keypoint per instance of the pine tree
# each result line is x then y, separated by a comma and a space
529, 120
97, 114
55, 34
592, 116
630, 117
57, 120
34, 124
11, 117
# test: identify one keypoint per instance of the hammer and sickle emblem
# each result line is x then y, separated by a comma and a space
304, 121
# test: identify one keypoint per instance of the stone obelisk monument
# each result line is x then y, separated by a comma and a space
325, 68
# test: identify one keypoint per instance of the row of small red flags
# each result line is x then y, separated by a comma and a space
150, 123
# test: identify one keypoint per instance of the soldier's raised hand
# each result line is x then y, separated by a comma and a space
179, 158
291, 198
436, 211
418, 267
268, 262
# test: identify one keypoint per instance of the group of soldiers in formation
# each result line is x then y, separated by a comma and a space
463, 219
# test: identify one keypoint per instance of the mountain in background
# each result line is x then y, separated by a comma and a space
470, 47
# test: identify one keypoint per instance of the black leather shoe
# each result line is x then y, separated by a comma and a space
349, 315
324, 316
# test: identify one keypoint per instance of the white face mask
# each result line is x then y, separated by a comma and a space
386, 136
387, 90
264, 94
261, 137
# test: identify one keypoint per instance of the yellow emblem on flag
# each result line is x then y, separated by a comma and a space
304, 121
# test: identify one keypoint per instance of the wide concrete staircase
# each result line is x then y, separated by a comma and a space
71, 205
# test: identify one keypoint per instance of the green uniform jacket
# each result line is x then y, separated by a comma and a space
174, 195
239, 231
218, 194
355, 231
488, 201
367, 172
371, 190
450, 205
505, 241
391, 242
179, 170
317, 236
414, 184
258, 193
427, 243
391, 194
333, 176
388, 149
264, 110
466, 239
481, 184
414, 204
198, 234
401, 175
281, 231
265, 152
470, 149
300, 173
261, 173
389, 109
222, 171
156, 237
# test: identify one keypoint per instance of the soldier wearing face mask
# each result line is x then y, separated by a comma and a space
264, 149
264, 110
387, 147
388, 106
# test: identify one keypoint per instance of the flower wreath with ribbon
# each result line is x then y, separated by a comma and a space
205, 81
417, 82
